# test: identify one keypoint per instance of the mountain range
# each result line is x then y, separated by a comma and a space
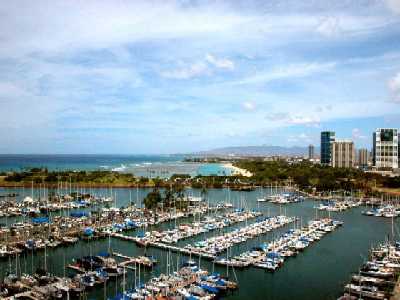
264, 150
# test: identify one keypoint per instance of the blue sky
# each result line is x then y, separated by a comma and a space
182, 76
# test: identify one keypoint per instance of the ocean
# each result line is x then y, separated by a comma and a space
140, 165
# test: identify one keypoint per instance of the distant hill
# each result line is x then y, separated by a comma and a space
260, 151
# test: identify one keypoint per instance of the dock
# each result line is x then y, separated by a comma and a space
287, 245
128, 261
162, 246
244, 233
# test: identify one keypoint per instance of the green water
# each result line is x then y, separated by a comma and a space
319, 272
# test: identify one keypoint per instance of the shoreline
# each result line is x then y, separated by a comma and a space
236, 170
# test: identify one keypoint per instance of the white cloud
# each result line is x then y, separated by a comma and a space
279, 116
357, 134
394, 87
288, 71
304, 120
27, 26
222, 63
207, 66
249, 105
187, 72
393, 5
90, 25
329, 27
297, 119
10, 89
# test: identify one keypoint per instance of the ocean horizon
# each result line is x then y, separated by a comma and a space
162, 165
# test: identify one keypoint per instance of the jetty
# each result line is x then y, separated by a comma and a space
213, 246
271, 256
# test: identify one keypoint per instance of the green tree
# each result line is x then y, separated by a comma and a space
152, 199
169, 196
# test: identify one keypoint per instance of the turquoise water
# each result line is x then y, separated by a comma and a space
317, 273
79, 161
213, 169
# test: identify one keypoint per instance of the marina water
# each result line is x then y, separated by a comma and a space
319, 272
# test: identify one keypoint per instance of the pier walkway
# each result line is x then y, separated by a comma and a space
215, 245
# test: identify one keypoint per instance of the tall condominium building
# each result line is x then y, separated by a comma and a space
327, 138
386, 148
343, 154
363, 157
310, 151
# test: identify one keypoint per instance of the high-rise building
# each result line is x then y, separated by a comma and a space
343, 154
310, 151
386, 148
327, 138
363, 158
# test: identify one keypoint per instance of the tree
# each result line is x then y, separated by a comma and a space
169, 197
152, 199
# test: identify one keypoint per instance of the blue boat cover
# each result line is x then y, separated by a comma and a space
104, 254
88, 231
79, 214
40, 220
209, 288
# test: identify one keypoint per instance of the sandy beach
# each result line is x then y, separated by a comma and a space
237, 171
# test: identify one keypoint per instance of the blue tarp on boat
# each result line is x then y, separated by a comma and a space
88, 231
273, 255
79, 214
40, 220
220, 282
209, 288
130, 223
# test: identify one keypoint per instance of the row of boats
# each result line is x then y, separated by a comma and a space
41, 285
190, 283
387, 211
377, 277
338, 205
284, 198
34, 207
36, 244
213, 246
186, 230
44, 232
271, 256
91, 271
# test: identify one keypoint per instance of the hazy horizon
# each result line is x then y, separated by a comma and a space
158, 154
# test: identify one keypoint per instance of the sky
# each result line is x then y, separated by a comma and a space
148, 77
